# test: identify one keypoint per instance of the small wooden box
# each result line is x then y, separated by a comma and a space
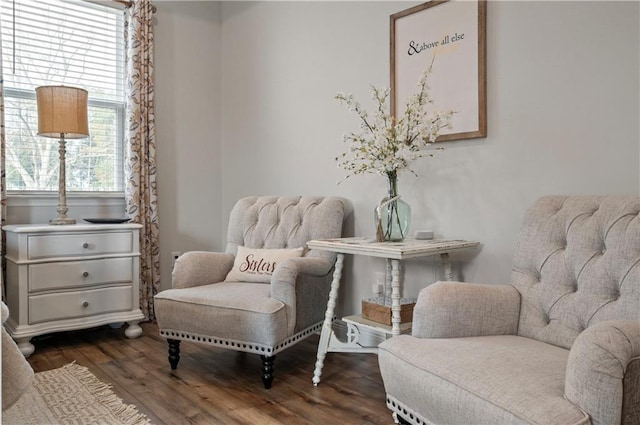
382, 313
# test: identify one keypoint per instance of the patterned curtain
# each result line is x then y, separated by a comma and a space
3, 186
141, 189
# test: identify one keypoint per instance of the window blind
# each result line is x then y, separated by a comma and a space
73, 43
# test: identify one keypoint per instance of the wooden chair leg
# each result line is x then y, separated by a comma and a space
402, 421
397, 419
267, 370
174, 353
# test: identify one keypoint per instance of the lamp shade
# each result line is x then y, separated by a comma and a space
62, 110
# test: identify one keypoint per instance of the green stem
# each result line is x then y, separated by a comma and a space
392, 207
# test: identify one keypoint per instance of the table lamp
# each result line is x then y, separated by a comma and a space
62, 113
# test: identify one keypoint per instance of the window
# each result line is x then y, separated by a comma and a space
74, 43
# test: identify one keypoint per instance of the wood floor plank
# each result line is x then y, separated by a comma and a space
216, 386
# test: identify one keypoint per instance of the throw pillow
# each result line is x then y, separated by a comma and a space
257, 265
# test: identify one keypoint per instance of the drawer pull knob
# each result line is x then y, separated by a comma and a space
85, 274
85, 245
85, 304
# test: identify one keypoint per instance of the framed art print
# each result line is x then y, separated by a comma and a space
451, 35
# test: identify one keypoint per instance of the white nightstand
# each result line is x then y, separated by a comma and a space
67, 277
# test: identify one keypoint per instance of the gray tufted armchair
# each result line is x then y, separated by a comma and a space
254, 317
560, 345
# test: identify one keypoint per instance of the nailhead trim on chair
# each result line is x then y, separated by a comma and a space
249, 347
407, 413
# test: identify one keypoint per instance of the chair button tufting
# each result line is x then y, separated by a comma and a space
545, 319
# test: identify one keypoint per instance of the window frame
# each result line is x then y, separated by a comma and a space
26, 197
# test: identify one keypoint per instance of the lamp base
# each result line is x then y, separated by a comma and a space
59, 220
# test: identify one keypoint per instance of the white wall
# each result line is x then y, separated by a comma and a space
563, 111
188, 102
244, 105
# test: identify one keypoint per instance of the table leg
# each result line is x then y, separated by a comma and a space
134, 330
325, 336
387, 281
446, 265
25, 346
395, 298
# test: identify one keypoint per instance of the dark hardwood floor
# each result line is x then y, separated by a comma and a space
216, 386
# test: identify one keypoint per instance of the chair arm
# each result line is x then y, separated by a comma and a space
197, 268
302, 284
456, 309
603, 372
17, 374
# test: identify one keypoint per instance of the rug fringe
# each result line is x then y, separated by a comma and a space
127, 413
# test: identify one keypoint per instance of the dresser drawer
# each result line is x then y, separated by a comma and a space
69, 305
45, 246
72, 274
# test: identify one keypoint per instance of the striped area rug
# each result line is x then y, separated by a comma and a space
71, 395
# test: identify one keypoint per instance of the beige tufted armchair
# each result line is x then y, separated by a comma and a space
560, 345
255, 317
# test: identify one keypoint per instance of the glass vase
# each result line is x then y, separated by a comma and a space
392, 216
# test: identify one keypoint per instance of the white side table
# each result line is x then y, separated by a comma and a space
393, 252
67, 277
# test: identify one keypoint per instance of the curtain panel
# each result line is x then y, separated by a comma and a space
141, 191
3, 186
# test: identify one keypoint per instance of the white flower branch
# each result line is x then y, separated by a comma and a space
386, 145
